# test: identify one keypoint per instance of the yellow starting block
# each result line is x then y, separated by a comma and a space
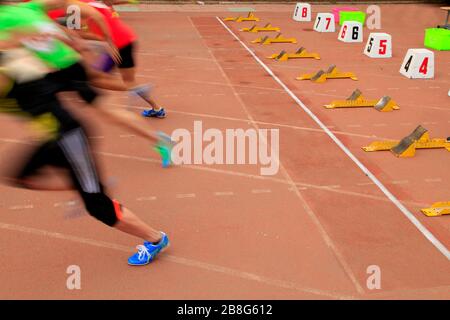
278, 39
267, 28
250, 17
405, 148
301, 53
356, 100
437, 209
332, 73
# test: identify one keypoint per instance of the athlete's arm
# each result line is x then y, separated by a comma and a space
87, 12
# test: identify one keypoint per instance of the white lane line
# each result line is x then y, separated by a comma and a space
380, 125
21, 207
371, 89
400, 182
258, 191
335, 186
127, 136
433, 180
185, 195
434, 87
223, 193
148, 198
179, 260
365, 183
65, 203
354, 125
393, 88
426, 233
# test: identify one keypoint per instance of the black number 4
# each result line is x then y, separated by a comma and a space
408, 64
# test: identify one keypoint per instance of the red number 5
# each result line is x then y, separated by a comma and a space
382, 47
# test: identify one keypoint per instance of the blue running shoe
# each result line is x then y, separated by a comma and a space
152, 113
148, 251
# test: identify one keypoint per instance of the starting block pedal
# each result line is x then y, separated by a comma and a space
278, 39
332, 73
250, 17
299, 54
406, 148
267, 28
356, 100
437, 209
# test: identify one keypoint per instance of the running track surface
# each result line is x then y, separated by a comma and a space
311, 231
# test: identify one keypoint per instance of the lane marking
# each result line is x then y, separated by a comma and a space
21, 207
400, 182
365, 183
258, 191
425, 232
433, 180
335, 186
149, 198
185, 195
224, 193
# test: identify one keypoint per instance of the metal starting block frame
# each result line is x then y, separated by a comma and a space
278, 39
437, 209
267, 28
356, 100
332, 73
299, 54
250, 17
406, 148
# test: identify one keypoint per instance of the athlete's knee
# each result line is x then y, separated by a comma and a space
101, 207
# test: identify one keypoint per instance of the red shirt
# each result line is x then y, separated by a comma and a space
122, 34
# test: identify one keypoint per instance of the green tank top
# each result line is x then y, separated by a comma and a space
55, 53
